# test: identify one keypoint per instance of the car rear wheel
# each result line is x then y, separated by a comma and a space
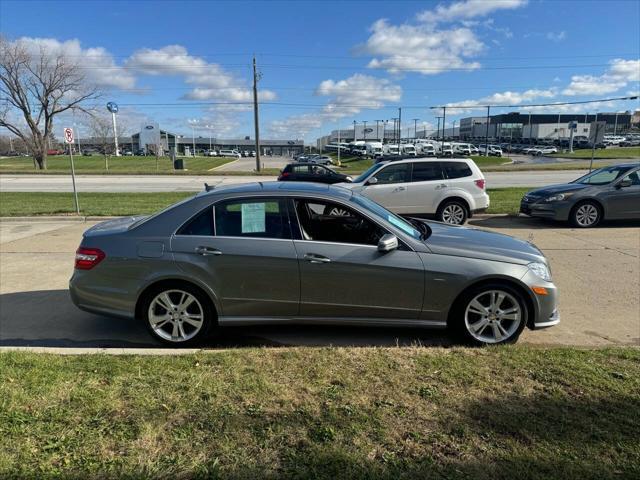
586, 214
490, 315
452, 212
177, 315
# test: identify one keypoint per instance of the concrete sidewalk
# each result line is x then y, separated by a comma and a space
597, 272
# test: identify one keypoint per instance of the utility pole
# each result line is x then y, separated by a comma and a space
378, 131
339, 146
399, 128
438, 129
415, 128
354, 132
255, 114
486, 137
444, 119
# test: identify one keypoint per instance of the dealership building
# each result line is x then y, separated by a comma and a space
540, 126
152, 137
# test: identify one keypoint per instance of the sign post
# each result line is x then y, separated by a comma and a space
68, 139
113, 108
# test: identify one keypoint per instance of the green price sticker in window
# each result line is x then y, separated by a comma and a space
253, 218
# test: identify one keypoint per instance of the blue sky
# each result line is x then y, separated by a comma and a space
327, 63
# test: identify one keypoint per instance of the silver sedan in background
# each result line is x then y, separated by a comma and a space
277, 252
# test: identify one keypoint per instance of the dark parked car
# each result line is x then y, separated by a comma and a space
611, 193
304, 172
268, 253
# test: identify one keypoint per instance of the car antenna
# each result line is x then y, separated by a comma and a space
207, 187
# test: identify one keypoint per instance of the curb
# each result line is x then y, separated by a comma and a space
55, 218
102, 351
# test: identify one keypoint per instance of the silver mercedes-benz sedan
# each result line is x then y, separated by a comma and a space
291, 252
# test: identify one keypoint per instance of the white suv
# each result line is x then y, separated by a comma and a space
451, 189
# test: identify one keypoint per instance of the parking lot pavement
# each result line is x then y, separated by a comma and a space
597, 272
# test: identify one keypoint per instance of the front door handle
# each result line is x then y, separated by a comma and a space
400, 189
314, 258
442, 185
206, 251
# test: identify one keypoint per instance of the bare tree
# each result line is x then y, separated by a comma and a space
35, 88
102, 133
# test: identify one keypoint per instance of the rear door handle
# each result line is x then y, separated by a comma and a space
206, 251
442, 185
400, 189
314, 258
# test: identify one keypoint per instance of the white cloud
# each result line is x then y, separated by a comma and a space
421, 48
97, 63
210, 80
556, 36
427, 47
348, 97
467, 9
618, 75
506, 98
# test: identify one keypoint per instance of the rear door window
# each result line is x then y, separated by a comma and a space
252, 218
455, 170
201, 224
427, 171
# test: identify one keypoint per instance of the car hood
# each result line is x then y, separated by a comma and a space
561, 188
110, 227
475, 243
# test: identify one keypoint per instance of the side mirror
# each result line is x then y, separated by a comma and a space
387, 243
625, 183
372, 181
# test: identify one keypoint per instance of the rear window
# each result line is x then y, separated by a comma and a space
425, 171
456, 169
201, 224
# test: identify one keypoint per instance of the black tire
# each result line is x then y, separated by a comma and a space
586, 214
203, 302
453, 212
458, 326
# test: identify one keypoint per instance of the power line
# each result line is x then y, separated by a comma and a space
580, 102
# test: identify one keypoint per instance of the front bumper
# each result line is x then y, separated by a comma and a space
554, 319
539, 208
546, 313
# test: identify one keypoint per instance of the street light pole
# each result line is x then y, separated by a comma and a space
364, 131
615, 125
444, 119
438, 129
399, 128
529, 128
486, 137
354, 132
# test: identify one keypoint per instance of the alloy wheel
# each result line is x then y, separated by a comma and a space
493, 316
587, 215
175, 315
453, 214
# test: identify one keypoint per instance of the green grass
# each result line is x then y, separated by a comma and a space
95, 164
504, 200
323, 413
612, 152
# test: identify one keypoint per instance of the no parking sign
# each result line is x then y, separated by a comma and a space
68, 135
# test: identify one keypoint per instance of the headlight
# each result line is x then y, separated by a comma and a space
558, 197
541, 270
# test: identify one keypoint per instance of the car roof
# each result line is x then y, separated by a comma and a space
429, 159
279, 188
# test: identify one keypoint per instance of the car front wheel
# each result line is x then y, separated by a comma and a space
490, 315
586, 214
178, 315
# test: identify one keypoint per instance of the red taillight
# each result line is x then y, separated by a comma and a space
480, 184
87, 258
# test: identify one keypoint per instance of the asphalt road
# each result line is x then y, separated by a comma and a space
178, 183
597, 272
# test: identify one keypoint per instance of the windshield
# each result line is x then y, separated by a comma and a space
367, 172
392, 218
602, 176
